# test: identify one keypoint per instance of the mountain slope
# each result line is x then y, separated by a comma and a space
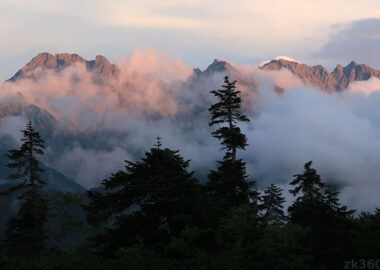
49, 129
54, 179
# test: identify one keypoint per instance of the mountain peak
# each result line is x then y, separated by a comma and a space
59, 61
352, 63
280, 59
101, 59
310, 75
102, 66
277, 64
286, 58
353, 72
218, 65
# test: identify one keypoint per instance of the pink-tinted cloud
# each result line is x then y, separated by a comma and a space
365, 87
147, 84
154, 95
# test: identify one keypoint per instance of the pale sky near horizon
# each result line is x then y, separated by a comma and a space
241, 31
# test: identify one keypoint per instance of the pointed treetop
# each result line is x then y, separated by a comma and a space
158, 144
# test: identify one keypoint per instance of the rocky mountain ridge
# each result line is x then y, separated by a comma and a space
319, 76
313, 76
100, 66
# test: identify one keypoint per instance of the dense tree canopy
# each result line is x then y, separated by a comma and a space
154, 200
272, 205
328, 224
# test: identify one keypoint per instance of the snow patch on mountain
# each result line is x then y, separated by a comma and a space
286, 58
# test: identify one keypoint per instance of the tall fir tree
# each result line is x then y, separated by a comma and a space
25, 231
272, 205
229, 183
227, 112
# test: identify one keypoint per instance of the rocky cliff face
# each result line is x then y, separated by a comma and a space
318, 76
218, 66
99, 66
353, 72
223, 68
313, 76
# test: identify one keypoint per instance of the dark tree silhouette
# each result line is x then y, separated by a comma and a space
154, 200
308, 184
227, 112
25, 231
328, 224
272, 205
229, 184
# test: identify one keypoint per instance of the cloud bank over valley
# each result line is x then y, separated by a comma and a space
92, 122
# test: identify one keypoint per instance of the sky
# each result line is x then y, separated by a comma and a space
242, 31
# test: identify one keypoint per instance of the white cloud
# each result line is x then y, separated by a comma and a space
339, 132
358, 40
90, 167
11, 126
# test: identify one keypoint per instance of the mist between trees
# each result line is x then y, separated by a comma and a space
156, 214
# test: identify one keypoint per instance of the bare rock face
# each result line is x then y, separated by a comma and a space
353, 72
223, 68
318, 76
218, 66
99, 66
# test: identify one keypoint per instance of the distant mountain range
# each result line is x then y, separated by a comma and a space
315, 76
60, 136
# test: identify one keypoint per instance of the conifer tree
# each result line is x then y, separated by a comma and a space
308, 184
152, 201
331, 200
227, 112
272, 205
312, 192
25, 231
229, 183
309, 192
327, 223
